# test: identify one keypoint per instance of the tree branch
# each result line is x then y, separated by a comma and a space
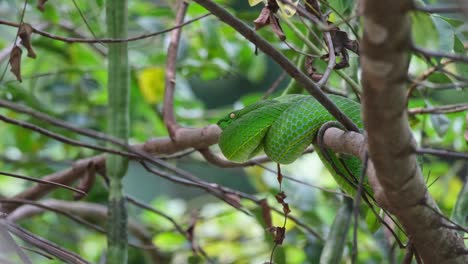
170, 77
385, 61
279, 58
102, 40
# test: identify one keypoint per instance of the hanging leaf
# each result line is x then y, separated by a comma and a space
441, 124
423, 30
459, 47
446, 34
15, 62
25, 32
287, 10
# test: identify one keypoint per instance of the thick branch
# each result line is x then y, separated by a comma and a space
190, 138
385, 61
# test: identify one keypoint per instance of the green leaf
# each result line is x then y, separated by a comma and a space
423, 30
446, 34
336, 241
460, 211
254, 2
441, 124
458, 47
257, 68
372, 221
50, 14
439, 78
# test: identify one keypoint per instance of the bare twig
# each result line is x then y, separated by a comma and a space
445, 109
274, 85
283, 61
43, 244
14, 175
424, 76
216, 160
103, 40
449, 8
170, 78
61, 138
78, 212
442, 153
438, 54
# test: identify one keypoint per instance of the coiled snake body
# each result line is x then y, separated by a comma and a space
283, 127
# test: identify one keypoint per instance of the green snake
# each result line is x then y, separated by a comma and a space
283, 128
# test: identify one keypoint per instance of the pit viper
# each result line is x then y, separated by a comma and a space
283, 128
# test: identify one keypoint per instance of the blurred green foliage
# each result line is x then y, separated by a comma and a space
217, 70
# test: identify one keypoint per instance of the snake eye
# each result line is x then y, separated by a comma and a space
232, 115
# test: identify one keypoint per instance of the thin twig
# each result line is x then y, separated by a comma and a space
57, 122
440, 8
424, 76
283, 61
438, 54
170, 77
14, 175
104, 40
442, 153
274, 85
63, 139
72, 210
43, 244
183, 232
445, 109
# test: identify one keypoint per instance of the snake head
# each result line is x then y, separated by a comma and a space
234, 115
227, 120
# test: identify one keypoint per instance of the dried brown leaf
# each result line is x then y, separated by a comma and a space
267, 17
280, 197
40, 5
279, 174
279, 235
276, 27
25, 32
266, 213
15, 62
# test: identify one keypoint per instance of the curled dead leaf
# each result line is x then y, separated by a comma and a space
279, 235
15, 62
25, 32
262, 19
266, 213
267, 17
41, 5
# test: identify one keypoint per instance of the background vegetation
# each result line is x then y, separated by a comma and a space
217, 70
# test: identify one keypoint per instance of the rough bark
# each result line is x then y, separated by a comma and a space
385, 60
